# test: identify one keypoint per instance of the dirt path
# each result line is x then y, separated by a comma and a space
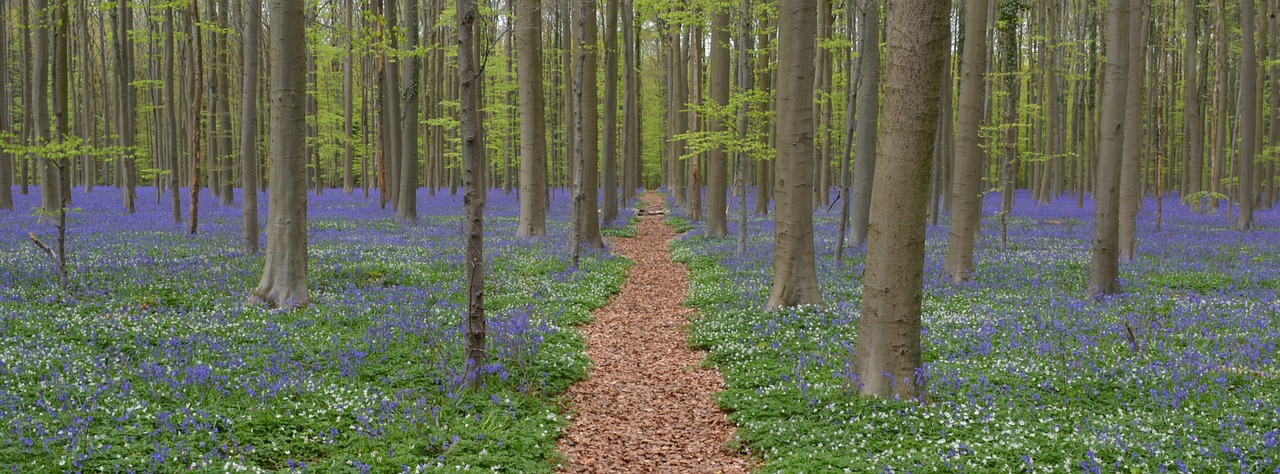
646, 405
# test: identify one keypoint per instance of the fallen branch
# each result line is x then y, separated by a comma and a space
42, 245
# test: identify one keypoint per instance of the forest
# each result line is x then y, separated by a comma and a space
639, 236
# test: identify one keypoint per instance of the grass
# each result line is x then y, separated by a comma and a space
1025, 373
157, 364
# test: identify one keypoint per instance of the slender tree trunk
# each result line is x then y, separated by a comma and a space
630, 104
226, 196
887, 360
171, 114
717, 161
533, 138
6, 121
586, 218
967, 177
61, 115
1192, 122
1131, 160
1104, 270
49, 186
795, 278
746, 82
284, 274
853, 79
864, 164
693, 88
197, 95
1008, 21
249, 128
679, 120
407, 209
474, 199
1248, 115
609, 141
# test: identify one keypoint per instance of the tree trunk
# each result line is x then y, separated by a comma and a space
1248, 115
887, 359
1104, 270
474, 198
407, 209
197, 95
1131, 160
717, 161
533, 138
679, 120
6, 121
795, 278
630, 104
609, 142
587, 218
1192, 122
249, 128
864, 154
49, 186
226, 196
284, 274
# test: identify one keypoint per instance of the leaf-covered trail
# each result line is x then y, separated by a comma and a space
646, 403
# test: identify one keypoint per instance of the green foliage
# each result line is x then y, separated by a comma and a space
730, 137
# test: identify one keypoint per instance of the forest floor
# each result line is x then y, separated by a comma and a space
646, 403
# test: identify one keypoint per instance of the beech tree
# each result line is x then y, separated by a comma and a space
474, 197
887, 357
795, 276
1104, 269
284, 274
6, 121
249, 128
868, 113
966, 184
1248, 115
533, 138
717, 160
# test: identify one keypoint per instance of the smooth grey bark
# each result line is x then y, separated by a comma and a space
6, 120
967, 176
586, 225
1131, 154
609, 138
868, 113
348, 98
693, 162
1248, 115
533, 131
249, 128
1105, 261
474, 194
49, 186
1192, 122
407, 208
631, 170
128, 103
795, 278
678, 119
887, 360
226, 162
171, 114
284, 274
717, 158
852, 80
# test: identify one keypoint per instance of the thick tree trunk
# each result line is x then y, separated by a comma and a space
171, 114
533, 136
887, 359
49, 186
249, 129
864, 153
474, 198
1104, 270
407, 209
717, 161
795, 278
284, 274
